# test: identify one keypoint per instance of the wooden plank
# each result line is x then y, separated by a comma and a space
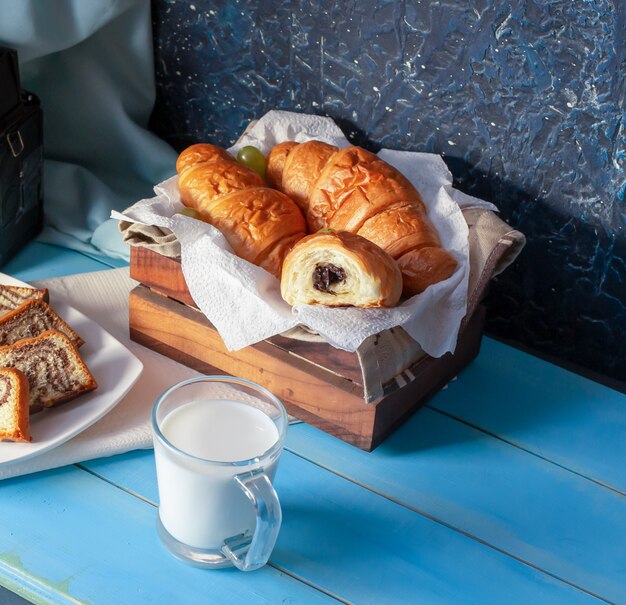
544, 409
159, 273
364, 548
184, 334
520, 504
69, 537
342, 363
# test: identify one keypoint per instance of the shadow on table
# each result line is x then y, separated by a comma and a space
329, 536
10, 598
424, 431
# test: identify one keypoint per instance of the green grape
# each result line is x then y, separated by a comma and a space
190, 212
252, 158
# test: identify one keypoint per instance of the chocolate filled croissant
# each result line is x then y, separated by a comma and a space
354, 190
259, 223
340, 269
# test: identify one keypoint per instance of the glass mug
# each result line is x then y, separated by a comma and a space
217, 441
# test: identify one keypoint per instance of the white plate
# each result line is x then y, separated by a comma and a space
114, 368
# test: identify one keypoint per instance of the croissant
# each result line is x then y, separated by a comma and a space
340, 269
200, 152
276, 163
354, 190
301, 168
259, 223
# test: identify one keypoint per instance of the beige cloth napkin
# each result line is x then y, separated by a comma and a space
103, 297
384, 357
387, 356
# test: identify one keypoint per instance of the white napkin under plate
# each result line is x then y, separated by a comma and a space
103, 297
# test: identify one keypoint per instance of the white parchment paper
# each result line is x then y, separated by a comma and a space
243, 301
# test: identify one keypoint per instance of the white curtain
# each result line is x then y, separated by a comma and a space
90, 62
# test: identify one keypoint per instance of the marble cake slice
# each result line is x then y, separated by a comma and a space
55, 371
14, 404
31, 319
11, 297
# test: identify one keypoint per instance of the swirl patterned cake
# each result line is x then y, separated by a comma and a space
53, 367
31, 319
11, 297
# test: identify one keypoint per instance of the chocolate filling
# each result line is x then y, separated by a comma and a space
326, 275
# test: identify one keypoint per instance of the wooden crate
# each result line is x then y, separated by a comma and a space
317, 383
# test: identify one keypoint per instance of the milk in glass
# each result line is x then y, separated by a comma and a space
200, 503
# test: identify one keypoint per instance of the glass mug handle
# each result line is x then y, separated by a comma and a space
251, 552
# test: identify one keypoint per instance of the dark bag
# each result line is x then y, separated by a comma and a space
21, 160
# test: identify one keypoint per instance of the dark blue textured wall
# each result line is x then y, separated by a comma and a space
524, 100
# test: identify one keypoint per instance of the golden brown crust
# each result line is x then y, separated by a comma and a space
354, 186
23, 423
200, 183
272, 260
21, 430
201, 152
260, 224
255, 220
303, 167
400, 228
425, 267
276, 163
361, 273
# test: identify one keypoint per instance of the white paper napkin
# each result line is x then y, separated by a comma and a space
103, 297
243, 301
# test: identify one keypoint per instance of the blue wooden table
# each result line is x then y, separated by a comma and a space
509, 487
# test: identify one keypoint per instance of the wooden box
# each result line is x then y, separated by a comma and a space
317, 383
